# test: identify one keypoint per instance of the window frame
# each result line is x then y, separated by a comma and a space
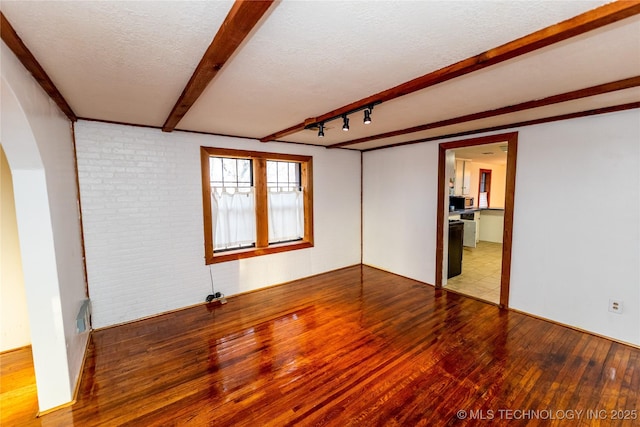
259, 165
487, 185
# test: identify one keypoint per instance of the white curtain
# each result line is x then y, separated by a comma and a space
233, 216
483, 202
286, 215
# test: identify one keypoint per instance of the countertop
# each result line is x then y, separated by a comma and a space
472, 210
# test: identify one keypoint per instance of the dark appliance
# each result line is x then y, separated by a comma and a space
460, 202
456, 234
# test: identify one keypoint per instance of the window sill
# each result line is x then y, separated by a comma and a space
253, 252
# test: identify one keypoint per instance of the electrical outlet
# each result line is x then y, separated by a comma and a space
615, 306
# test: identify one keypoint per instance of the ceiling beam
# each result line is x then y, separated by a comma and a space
604, 110
577, 25
240, 20
555, 99
17, 46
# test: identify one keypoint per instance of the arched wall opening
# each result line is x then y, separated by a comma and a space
14, 319
38, 253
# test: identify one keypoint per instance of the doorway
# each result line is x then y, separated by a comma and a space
447, 184
49, 348
14, 330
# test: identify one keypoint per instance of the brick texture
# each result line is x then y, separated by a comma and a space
142, 213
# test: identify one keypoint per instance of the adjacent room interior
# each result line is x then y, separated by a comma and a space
281, 212
476, 194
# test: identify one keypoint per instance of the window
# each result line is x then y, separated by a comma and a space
484, 188
285, 200
232, 203
255, 203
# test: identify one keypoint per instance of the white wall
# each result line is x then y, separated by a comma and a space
577, 223
38, 142
142, 213
576, 220
13, 299
399, 205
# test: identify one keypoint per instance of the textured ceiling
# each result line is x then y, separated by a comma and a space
129, 62
485, 153
601, 101
124, 61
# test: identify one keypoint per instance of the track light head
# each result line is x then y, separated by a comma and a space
345, 123
367, 116
319, 125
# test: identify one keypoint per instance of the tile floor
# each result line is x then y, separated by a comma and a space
480, 276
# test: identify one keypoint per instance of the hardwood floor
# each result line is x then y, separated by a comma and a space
18, 399
357, 346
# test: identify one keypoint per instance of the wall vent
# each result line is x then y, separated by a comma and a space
83, 320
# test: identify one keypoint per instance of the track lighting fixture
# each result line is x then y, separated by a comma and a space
367, 117
310, 124
367, 114
345, 123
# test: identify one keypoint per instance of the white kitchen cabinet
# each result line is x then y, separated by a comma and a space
492, 225
463, 178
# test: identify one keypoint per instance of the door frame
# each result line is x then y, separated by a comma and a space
511, 139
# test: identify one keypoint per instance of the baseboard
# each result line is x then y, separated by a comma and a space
76, 389
228, 297
399, 275
471, 296
55, 408
14, 349
290, 281
575, 328
151, 316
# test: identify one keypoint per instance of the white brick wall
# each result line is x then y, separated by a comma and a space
142, 212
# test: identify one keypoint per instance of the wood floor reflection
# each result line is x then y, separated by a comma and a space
357, 346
